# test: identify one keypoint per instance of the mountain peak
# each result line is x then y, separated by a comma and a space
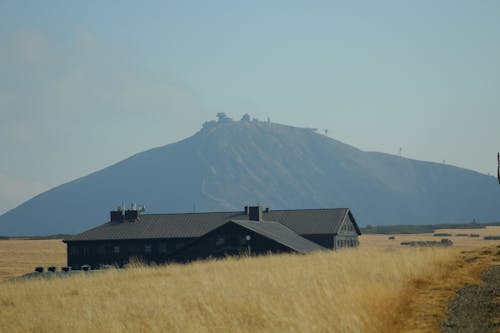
230, 164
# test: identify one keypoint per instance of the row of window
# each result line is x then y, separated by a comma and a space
347, 243
147, 248
233, 240
347, 227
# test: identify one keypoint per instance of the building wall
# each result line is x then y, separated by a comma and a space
228, 240
325, 240
96, 253
347, 236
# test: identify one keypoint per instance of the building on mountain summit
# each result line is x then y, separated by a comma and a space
162, 238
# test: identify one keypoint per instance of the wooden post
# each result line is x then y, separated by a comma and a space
498, 170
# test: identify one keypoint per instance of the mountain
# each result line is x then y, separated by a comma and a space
230, 164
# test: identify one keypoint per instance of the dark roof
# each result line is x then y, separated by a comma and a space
280, 234
188, 225
309, 221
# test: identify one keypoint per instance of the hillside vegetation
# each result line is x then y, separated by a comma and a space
364, 290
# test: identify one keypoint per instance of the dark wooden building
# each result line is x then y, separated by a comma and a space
164, 238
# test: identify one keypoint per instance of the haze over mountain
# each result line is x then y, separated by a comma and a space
230, 164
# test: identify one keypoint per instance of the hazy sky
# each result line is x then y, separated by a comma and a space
84, 84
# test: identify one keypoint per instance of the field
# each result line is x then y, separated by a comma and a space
380, 287
460, 242
21, 256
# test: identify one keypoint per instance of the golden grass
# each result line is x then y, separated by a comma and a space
344, 291
464, 243
425, 299
380, 287
21, 256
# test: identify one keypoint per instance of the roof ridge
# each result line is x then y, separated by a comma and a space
243, 212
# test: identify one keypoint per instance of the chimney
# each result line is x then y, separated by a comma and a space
116, 215
255, 213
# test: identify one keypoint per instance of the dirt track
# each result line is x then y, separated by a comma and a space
476, 308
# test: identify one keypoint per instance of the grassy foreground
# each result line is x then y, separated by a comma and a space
364, 290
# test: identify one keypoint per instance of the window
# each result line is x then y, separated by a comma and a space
74, 250
219, 240
163, 247
116, 249
148, 248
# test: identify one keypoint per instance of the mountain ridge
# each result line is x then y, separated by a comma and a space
229, 164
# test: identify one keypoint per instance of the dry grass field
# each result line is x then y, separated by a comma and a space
21, 256
460, 242
376, 288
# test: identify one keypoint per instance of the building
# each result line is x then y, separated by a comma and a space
185, 237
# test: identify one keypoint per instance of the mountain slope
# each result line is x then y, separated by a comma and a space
232, 164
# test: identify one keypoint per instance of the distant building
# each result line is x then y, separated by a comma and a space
162, 238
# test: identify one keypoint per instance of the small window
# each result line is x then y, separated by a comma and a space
179, 245
219, 241
74, 250
116, 249
148, 248
163, 248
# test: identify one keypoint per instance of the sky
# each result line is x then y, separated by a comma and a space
85, 84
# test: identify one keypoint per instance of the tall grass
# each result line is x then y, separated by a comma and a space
344, 291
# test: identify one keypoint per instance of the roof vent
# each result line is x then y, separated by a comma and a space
131, 215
